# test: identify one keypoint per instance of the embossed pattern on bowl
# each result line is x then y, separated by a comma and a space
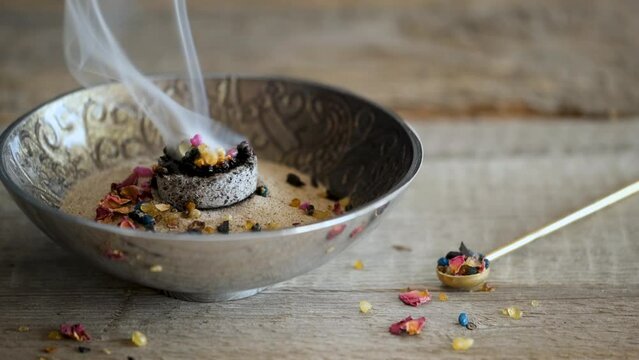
350, 144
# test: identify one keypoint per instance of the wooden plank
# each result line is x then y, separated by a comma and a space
423, 58
483, 183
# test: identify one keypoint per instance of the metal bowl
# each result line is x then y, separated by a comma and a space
350, 144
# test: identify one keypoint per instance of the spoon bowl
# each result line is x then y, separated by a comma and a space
466, 282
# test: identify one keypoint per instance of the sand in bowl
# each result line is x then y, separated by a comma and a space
284, 206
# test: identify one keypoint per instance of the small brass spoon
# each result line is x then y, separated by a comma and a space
474, 281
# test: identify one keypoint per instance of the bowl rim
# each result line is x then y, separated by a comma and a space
412, 171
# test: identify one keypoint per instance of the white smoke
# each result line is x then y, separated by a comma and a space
94, 33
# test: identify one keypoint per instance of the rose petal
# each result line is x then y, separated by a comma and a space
415, 297
126, 223
143, 171
75, 331
304, 206
408, 326
455, 263
102, 213
196, 140
232, 152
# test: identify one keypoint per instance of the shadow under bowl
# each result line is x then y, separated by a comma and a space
349, 144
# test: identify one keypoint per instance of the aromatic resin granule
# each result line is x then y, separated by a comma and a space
134, 203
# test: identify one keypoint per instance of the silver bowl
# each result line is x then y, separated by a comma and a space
350, 144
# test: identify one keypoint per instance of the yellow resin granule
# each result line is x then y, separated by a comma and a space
462, 343
365, 306
358, 265
138, 338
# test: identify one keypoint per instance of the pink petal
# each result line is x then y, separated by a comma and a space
143, 171
304, 206
102, 213
196, 140
396, 328
455, 263
126, 223
75, 331
232, 152
415, 297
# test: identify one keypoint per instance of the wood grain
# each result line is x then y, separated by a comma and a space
483, 183
422, 58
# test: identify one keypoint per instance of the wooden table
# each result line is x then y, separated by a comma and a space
485, 181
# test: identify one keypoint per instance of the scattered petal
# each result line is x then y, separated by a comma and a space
103, 213
456, 263
443, 296
143, 171
23, 328
408, 326
75, 331
415, 297
155, 268
126, 223
365, 306
196, 140
534, 303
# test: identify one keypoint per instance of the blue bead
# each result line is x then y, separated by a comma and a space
486, 263
442, 261
463, 319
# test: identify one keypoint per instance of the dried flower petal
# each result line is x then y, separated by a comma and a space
196, 140
126, 223
130, 192
456, 263
304, 206
415, 297
408, 326
443, 296
23, 328
103, 213
75, 331
143, 171
155, 268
